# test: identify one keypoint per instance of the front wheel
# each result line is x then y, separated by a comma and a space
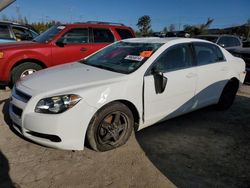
110, 127
23, 70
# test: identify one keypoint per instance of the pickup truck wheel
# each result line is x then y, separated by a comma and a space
23, 70
111, 127
228, 95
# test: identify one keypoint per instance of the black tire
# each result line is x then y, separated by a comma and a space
228, 95
110, 127
20, 69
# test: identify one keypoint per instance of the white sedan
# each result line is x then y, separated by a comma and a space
128, 85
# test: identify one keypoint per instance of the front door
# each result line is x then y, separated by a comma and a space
176, 63
72, 46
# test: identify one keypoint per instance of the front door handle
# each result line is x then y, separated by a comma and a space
83, 49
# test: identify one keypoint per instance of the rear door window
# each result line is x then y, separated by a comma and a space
102, 35
124, 33
207, 53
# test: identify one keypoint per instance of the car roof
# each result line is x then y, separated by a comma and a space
18, 24
11, 23
163, 40
96, 24
217, 35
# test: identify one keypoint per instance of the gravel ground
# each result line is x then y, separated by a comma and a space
206, 148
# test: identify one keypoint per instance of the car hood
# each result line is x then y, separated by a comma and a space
66, 77
23, 44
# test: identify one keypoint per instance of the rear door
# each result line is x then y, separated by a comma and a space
212, 70
177, 66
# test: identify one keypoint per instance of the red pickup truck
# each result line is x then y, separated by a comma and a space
58, 45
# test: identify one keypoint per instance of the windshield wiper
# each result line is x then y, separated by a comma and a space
104, 67
84, 61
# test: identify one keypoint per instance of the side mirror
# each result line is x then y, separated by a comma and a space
160, 81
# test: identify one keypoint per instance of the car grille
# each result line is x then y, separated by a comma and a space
17, 127
17, 111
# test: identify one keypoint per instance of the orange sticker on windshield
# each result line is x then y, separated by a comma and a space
146, 53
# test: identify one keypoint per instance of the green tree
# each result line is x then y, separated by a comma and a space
205, 26
144, 25
198, 29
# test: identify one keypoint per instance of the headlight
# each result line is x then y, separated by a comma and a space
57, 104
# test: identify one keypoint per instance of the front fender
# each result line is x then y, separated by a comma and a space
22, 56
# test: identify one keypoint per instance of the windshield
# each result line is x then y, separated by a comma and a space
122, 57
209, 38
49, 34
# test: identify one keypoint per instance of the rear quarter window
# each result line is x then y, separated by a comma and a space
124, 33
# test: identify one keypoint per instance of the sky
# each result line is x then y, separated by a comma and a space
226, 13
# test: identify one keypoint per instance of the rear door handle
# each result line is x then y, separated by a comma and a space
191, 75
224, 69
84, 49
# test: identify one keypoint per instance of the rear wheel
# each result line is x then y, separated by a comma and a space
110, 127
23, 70
228, 95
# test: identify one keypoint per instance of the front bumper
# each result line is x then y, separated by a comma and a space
63, 131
